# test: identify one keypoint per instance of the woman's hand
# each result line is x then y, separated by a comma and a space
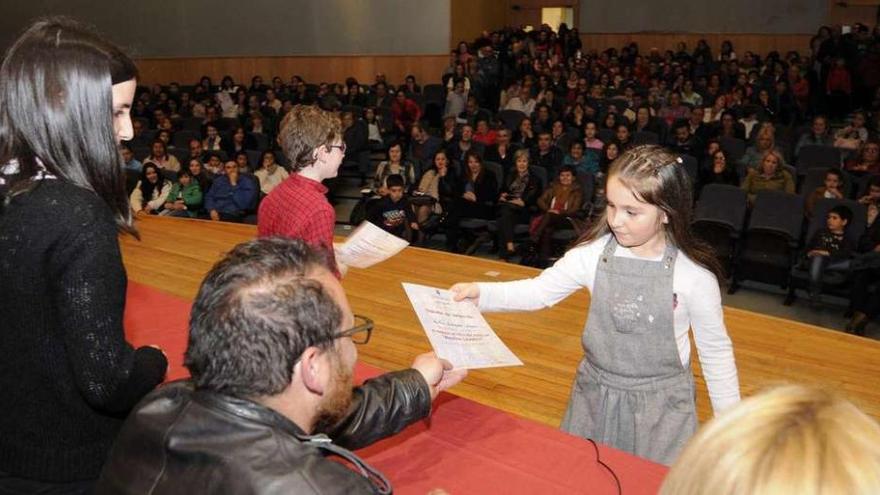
470, 196
517, 202
466, 292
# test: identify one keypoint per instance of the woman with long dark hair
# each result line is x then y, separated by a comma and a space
67, 374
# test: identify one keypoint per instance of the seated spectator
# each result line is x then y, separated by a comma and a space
791, 439
580, 162
422, 147
691, 97
271, 387
831, 189
484, 134
231, 196
838, 88
714, 113
818, 135
829, 249
212, 141
559, 137
520, 100
683, 142
872, 196
854, 135
477, 191
755, 154
200, 175
394, 213
405, 112
749, 120
867, 161
449, 131
718, 172
770, 176
185, 198
865, 298
563, 199
542, 120
439, 184
545, 155
609, 154
524, 137
160, 157
270, 174
240, 141
410, 87
394, 165
374, 128
196, 152
380, 97
464, 144
244, 163
502, 152
516, 203
214, 165
591, 136
456, 99
674, 110
729, 127
151, 191
699, 129
472, 112
646, 123
356, 135
128, 159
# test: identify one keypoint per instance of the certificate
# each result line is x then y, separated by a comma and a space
368, 245
457, 330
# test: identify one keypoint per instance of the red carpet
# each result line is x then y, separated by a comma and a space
464, 447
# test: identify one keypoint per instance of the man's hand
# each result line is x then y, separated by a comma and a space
437, 373
215, 215
469, 196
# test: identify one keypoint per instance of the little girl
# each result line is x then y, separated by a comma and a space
650, 282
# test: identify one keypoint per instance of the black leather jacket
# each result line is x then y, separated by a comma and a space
178, 440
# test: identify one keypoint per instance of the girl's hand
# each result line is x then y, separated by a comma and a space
466, 292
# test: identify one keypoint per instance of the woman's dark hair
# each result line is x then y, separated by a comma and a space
148, 187
468, 175
656, 176
56, 111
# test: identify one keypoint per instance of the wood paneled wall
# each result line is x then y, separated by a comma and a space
758, 43
469, 18
426, 68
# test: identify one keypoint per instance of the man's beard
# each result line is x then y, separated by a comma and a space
336, 401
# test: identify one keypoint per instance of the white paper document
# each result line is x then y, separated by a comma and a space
457, 330
368, 245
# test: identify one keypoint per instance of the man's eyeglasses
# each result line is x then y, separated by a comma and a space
359, 333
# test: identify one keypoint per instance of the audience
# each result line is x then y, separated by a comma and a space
563, 199
517, 201
270, 174
770, 176
829, 249
393, 213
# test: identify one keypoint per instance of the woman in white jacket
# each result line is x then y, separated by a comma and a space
151, 191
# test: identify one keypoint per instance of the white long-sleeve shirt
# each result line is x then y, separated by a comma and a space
698, 307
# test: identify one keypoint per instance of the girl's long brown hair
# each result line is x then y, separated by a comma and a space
657, 177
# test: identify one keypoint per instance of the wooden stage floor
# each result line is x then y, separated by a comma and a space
174, 255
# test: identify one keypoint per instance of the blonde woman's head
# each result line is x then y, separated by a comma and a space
788, 440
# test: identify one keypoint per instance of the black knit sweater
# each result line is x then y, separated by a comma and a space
67, 375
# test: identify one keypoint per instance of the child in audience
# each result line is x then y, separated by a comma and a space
829, 249
650, 282
591, 141
831, 189
151, 191
185, 197
393, 213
